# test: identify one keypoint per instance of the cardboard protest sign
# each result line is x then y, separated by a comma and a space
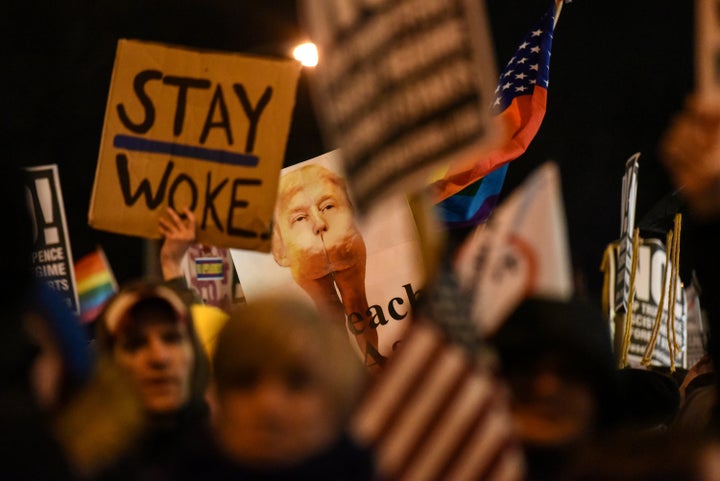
52, 259
650, 288
209, 271
392, 275
521, 251
707, 50
193, 128
401, 87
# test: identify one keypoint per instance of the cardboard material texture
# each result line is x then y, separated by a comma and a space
192, 128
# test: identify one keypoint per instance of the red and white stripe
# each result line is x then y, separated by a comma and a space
438, 413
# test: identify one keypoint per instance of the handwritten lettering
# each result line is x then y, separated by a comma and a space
218, 114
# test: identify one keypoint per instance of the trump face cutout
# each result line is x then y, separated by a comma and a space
316, 237
315, 231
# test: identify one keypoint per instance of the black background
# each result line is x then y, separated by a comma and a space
619, 72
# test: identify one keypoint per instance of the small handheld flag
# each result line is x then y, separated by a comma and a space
96, 284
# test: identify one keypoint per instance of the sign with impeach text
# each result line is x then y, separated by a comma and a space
366, 272
52, 259
402, 87
193, 128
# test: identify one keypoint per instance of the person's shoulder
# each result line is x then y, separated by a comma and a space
346, 460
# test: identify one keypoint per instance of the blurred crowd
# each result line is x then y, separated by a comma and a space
143, 398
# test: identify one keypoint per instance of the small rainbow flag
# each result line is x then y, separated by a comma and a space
96, 284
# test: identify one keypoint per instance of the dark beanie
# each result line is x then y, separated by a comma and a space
573, 334
573, 331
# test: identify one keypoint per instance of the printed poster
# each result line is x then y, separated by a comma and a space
366, 272
209, 271
649, 298
402, 87
52, 259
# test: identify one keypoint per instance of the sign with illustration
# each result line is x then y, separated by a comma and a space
367, 273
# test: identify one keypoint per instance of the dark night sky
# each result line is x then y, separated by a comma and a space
619, 71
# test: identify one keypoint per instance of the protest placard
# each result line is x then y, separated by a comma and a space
522, 251
651, 288
193, 128
393, 273
401, 87
52, 259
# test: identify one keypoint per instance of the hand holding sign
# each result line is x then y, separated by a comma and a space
193, 128
179, 234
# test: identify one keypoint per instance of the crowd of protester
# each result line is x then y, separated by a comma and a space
143, 399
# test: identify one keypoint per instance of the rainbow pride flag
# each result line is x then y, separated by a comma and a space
96, 284
468, 190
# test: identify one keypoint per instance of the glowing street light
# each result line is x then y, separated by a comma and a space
306, 53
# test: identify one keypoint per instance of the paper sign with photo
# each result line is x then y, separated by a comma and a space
367, 273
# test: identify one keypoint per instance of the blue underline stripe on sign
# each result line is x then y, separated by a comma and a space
140, 144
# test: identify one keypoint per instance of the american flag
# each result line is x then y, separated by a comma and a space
470, 188
437, 410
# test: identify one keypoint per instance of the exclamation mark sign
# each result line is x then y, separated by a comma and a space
42, 186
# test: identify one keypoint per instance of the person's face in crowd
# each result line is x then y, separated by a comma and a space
277, 414
158, 356
317, 225
550, 407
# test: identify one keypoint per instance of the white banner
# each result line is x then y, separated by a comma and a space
521, 251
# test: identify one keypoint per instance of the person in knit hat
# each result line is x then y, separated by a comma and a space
146, 330
557, 359
285, 382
